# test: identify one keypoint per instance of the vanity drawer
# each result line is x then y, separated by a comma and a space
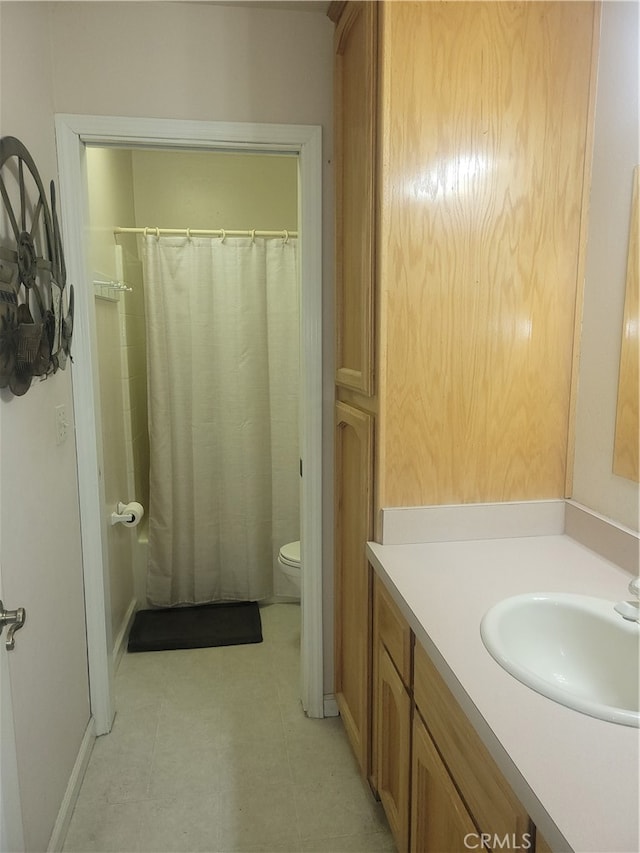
486, 792
391, 628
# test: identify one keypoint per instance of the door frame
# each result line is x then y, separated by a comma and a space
11, 827
73, 133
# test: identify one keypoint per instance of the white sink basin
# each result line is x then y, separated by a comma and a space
574, 649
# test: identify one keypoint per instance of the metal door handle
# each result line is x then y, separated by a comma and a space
15, 620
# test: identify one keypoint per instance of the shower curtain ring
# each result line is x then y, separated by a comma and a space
188, 233
286, 236
223, 235
253, 235
157, 233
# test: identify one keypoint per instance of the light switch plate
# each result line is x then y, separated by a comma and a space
62, 424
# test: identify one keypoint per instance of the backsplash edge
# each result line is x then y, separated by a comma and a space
613, 541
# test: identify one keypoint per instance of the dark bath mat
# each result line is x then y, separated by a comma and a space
230, 623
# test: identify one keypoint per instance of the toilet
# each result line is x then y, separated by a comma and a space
289, 559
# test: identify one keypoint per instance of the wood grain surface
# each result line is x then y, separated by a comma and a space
484, 111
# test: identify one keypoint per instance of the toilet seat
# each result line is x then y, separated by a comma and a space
290, 554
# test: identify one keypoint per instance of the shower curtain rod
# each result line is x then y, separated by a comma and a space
201, 232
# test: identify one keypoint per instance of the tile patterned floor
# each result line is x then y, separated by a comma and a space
211, 752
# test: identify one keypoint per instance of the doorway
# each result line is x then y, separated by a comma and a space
74, 133
198, 360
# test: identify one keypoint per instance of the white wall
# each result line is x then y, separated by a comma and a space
39, 516
177, 189
616, 152
110, 188
214, 63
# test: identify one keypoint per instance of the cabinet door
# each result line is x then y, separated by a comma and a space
391, 630
484, 113
486, 792
354, 442
355, 111
440, 823
392, 726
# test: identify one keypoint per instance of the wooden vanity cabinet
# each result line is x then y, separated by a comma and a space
392, 749
492, 806
391, 753
440, 822
441, 790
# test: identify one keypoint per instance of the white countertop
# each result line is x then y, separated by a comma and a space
578, 777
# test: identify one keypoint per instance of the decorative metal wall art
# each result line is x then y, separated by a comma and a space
35, 331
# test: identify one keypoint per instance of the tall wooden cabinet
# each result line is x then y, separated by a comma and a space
354, 451
462, 155
355, 146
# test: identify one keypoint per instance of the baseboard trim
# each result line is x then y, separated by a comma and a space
61, 827
121, 638
278, 598
330, 705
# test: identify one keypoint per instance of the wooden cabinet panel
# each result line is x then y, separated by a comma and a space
354, 445
484, 112
354, 133
392, 746
391, 629
485, 790
440, 822
391, 736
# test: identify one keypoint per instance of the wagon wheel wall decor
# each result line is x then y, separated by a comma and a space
35, 333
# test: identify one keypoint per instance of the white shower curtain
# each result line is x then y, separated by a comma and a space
223, 367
